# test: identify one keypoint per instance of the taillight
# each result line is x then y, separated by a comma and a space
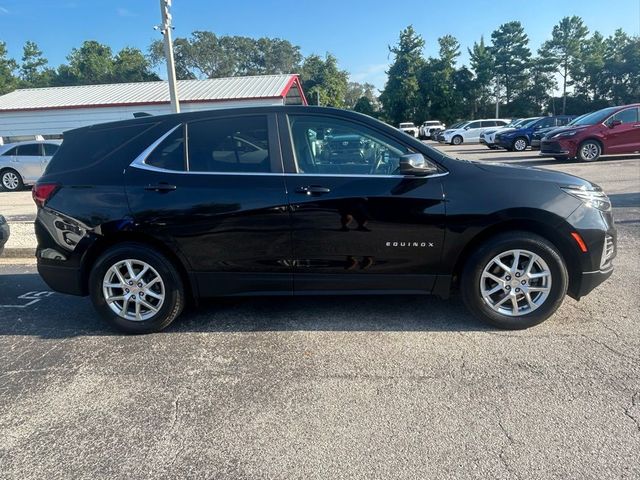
42, 192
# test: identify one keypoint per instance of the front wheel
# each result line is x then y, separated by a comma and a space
589, 151
514, 280
11, 180
457, 140
520, 145
136, 289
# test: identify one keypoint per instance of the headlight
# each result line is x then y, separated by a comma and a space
565, 134
592, 198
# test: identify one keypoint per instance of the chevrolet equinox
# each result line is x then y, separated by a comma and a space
145, 215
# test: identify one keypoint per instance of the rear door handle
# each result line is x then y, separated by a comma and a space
313, 190
161, 187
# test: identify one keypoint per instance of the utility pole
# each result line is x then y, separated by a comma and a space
497, 97
165, 29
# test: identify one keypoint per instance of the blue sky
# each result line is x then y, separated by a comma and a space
356, 31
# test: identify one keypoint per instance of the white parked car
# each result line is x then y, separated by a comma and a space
24, 162
430, 128
469, 132
488, 137
410, 128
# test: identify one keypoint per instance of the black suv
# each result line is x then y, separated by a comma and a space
144, 215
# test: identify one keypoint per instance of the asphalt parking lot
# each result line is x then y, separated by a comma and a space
353, 387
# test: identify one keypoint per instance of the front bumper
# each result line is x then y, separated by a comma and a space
506, 143
586, 282
5, 232
555, 148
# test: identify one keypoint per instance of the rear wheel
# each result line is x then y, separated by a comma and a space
515, 280
11, 180
589, 151
457, 140
136, 289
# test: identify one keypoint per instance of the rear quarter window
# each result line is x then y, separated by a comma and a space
116, 146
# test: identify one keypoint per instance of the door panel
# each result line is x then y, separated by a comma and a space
354, 232
232, 228
624, 138
29, 161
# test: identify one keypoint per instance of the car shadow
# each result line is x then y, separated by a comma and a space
64, 316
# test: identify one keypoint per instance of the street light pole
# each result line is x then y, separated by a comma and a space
165, 5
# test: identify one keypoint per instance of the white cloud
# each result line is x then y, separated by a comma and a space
375, 74
123, 12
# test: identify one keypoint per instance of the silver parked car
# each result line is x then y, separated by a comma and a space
24, 162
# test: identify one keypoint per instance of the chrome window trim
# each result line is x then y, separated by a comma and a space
140, 162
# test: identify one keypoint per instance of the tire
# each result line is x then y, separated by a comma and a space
529, 245
170, 287
520, 144
11, 180
457, 140
589, 151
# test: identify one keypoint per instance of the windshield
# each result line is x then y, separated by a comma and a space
459, 126
527, 122
577, 119
595, 117
431, 123
456, 125
406, 125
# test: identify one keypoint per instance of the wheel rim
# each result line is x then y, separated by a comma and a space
520, 145
10, 181
133, 289
456, 141
515, 282
589, 151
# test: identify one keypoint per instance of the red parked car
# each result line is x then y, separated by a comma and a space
605, 132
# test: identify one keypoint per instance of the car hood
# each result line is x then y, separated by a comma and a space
570, 129
533, 174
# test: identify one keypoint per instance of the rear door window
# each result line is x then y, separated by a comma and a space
229, 145
169, 154
488, 123
29, 150
50, 149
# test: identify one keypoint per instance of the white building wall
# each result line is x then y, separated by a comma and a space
56, 121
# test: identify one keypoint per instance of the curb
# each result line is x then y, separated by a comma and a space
19, 253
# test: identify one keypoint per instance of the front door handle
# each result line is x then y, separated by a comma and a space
313, 190
161, 188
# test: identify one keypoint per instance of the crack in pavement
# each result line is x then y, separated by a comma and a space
635, 402
510, 442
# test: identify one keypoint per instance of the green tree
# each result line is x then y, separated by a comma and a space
356, 91
401, 94
622, 67
324, 83
33, 69
511, 54
481, 61
90, 64
8, 81
130, 65
207, 55
364, 105
567, 38
589, 74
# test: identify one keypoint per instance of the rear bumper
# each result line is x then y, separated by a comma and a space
63, 279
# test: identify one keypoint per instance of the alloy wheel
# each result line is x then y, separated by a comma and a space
589, 151
133, 290
10, 181
520, 145
515, 282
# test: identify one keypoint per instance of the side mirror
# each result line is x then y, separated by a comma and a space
467, 128
416, 164
615, 123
